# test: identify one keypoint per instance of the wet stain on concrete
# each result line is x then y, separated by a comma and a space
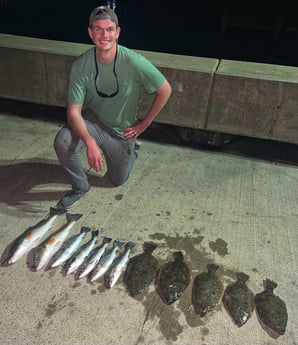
75, 285
219, 246
56, 305
168, 316
119, 196
101, 288
189, 244
50, 309
93, 292
52, 273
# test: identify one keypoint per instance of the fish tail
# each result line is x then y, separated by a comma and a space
85, 229
130, 245
149, 247
212, 268
57, 211
107, 240
95, 233
178, 256
270, 284
118, 243
243, 277
73, 217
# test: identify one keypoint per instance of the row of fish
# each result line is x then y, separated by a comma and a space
171, 279
208, 291
59, 249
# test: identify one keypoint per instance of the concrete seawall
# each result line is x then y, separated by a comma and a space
243, 98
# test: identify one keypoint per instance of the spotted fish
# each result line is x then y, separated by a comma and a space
105, 262
238, 300
92, 259
118, 266
32, 237
173, 278
207, 290
141, 270
69, 247
271, 310
73, 263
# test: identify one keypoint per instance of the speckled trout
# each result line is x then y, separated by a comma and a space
105, 262
118, 266
32, 237
69, 247
92, 259
45, 251
73, 263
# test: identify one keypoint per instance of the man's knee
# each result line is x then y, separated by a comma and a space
117, 182
62, 141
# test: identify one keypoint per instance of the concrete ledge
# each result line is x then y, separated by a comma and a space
253, 99
242, 98
36, 70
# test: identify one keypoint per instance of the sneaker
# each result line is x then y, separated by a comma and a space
70, 198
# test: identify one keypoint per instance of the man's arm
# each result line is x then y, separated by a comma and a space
77, 123
162, 95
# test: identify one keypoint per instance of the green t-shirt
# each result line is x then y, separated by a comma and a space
133, 71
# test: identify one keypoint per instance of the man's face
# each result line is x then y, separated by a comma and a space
104, 34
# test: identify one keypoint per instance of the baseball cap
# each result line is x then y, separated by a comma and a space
101, 13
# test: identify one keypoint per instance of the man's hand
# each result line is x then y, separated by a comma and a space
160, 100
134, 131
94, 156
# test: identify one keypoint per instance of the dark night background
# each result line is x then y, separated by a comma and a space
264, 32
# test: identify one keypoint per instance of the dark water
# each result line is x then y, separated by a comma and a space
266, 32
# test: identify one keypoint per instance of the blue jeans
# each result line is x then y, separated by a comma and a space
118, 152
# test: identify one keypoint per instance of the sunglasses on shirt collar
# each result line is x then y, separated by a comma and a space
102, 94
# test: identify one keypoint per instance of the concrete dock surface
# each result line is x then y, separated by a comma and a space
231, 209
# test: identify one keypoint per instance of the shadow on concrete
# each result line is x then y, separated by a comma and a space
25, 181
254, 148
250, 147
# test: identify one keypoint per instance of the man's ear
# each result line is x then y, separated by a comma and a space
90, 33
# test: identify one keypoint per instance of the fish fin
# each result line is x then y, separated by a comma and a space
118, 243
85, 229
178, 256
241, 276
130, 245
95, 233
107, 240
270, 284
73, 217
149, 247
57, 211
212, 268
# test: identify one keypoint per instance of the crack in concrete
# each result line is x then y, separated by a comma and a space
152, 306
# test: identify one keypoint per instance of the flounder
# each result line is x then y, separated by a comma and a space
207, 290
173, 278
141, 270
238, 300
271, 310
